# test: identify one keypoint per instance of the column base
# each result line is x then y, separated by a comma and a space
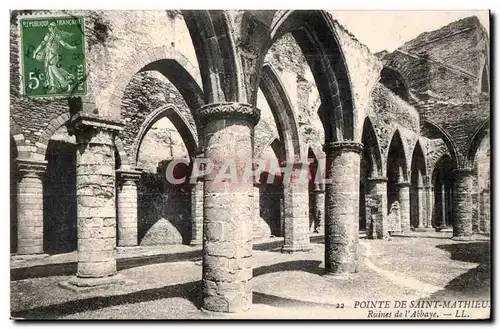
339, 276
122, 249
288, 249
462, 238
425, 229
196, 243
18, 257
444, 229
78, 284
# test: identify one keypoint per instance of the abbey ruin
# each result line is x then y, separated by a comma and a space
404, 137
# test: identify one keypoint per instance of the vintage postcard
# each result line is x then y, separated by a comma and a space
250, 164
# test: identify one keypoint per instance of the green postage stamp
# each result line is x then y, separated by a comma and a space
52, 56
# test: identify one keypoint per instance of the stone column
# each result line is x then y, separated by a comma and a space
486, 211
429, 200
404, 205
127, 207
227, 208
96, 211
30, 206
342, 207
421, 206
462, 210
377, 186
197, 213
296, 197
319, 208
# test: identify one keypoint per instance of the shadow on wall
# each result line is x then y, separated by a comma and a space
164, 216
271, 197
59, 199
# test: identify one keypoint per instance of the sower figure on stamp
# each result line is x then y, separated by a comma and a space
56, 78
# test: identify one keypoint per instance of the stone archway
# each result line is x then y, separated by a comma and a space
372, 187
417, 189
442, 181
398, 194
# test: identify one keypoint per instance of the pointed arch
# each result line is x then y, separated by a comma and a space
171, 112
485, 80
418, 165
394, 80
397, 149
282, 111
481, 132
370, 143
316, 35
215, 51
431, 130
171, 64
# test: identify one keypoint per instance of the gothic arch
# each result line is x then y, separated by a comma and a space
282, 111
315, 34
429, 125
394, 80
370, 142
215, 51
175, 116
482, 131
419, 149
485, 80
397, 145
418, 160
167, 61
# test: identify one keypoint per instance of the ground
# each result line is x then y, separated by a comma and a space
166, 285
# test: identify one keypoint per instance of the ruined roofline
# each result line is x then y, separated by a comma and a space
446, 31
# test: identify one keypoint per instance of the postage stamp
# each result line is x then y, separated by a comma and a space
52, 56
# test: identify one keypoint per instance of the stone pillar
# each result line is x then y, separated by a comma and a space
127, 207
30, 206
260, 228
197, 213
429, 200
95, 189
404, 205
227, 207
421, 206
319, 208
462, 210
487, 211
296, 197
377, 186
342, 207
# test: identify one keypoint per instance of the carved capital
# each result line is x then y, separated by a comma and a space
342, 147
81, 120
31, 168
403, 184
377, 179
465, 171
228, 110
129, 175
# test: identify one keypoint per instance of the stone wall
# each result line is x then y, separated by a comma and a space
388, 113
444, 70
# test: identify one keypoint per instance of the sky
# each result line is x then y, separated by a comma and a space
387, 30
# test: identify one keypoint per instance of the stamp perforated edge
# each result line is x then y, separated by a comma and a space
49, 14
